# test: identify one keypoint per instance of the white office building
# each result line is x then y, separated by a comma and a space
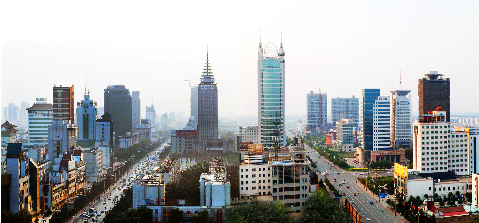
135, 110
40, 116
401, 128
381, 123
345, 138
249, 134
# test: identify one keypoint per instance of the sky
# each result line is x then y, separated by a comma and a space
340, 47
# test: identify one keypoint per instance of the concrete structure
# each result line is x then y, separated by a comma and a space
104, 131
249, 134
127, 140
184, 141
214, 187
391, 156
458, 153
434, 91
63, 103
207, 107
152, 117
401, 128
473, 143
317, 112
369, 98
118, 104
416, 184
345, 135
106, 156
61, 140
271, 95
93, 164
194, 102
347, 108
86, 118
144, 129
382, 123
37, 154
135, 110
40, 116
255, 173
9, 133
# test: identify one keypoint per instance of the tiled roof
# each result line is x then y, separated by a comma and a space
42, 107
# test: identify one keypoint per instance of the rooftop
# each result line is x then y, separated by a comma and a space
41, 107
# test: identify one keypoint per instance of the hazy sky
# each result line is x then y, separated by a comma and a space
338, 46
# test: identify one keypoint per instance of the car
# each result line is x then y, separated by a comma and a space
344, 194
354, 194
109, 198
371, 202
104, 202
98, 214
347, 186
340, 185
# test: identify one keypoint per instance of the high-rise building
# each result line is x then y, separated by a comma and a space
118, 105
63, 103
317, 108
61, 140
135, 110
86, 117
401, 128
11, 113
151, 116
194, 102
369, 97
347, 108
207, 107
104, 131
382, 123
23, 111
40, 116
434, 91
271, 95
345, 139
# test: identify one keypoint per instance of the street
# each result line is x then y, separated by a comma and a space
106, 201
376, 212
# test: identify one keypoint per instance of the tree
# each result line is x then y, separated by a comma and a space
258, 212
426, 196
322, 208
176, 215
144, 214
202, 217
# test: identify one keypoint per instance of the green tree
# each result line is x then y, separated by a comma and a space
202, 217
322, 208
176, 215
258, 212
144, 214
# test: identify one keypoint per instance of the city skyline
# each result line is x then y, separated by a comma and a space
349, 47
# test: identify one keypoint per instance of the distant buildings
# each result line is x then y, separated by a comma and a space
152, 118
118, 104
207, 107
11, 113
317, 109
271, 95
63, 103
434, 91
401, 120
144, 129
249, 134
135, 110
40, 116
194, 102
369, 98
347, 108
86, 118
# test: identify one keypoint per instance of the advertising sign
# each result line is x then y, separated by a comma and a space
400, 170
382, 195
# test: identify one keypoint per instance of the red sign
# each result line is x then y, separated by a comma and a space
186, 133
220, 217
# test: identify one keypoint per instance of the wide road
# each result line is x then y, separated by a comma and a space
106, 201
374, 212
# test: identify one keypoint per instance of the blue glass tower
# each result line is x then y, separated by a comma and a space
86, 117
271, 87
369, 97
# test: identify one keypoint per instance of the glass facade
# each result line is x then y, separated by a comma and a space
369, 97
271, 104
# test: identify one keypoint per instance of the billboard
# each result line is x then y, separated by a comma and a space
182, 133
400, 170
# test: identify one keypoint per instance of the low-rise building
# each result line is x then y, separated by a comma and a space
214, 187
9, 133
184, 141
128, 140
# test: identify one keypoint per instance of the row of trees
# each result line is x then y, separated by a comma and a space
321, 208
383, 164
374, 183
20, 217
176, 216
410, 210
313, 164
123, 213
336, 157
332, 188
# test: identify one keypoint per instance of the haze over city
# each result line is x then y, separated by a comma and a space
340, 47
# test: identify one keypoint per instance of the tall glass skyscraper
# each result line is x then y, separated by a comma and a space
401, 127
369, 97
382, 123
86, 117
271, 86
317, 111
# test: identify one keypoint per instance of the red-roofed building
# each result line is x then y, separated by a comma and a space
452, 212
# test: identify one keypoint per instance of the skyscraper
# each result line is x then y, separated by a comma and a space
317, 109
346, 108
151, 115
63, 103
135, 110
194, 102
382, 123
86, 117
369, 97
207, 106
271, 94
117, 101
40, 116
401, 127
24, 112
434, 91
